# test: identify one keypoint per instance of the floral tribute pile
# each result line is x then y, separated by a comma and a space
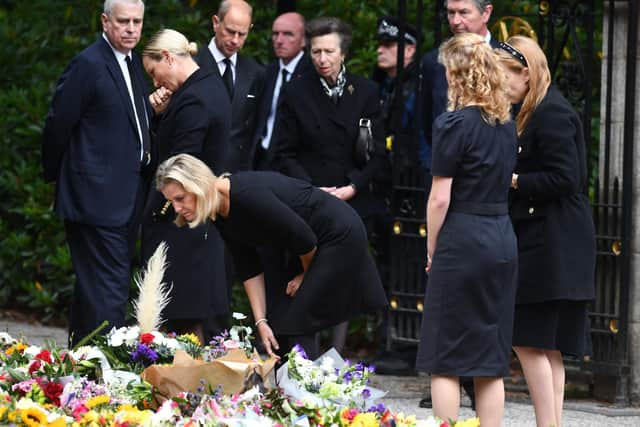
136, 376
100, 385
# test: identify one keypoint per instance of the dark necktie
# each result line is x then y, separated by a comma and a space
285, 73
138, 102
227, 77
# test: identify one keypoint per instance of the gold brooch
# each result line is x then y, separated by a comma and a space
350, 89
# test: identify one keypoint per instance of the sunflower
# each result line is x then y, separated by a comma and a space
101, 399
129, 415
58, 422
365, 419
33, 417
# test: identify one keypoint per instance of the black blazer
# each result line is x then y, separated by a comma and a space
271, 75
91, 145
314, 139
196, 122
248, 88
550, 209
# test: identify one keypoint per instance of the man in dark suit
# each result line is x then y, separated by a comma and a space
465, 16
95, 146
287, 36
242, 76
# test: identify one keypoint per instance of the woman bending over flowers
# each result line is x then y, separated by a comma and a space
323, 240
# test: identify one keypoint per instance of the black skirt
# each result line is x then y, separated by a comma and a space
468, 309
553, 325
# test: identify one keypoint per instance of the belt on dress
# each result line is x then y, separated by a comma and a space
479, 208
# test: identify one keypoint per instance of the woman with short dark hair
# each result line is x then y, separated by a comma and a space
316, 135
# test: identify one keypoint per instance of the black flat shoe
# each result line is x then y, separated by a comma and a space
425, 402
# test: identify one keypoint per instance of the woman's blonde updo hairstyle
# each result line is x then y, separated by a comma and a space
475, 77
196, 178
539, 75
171, 41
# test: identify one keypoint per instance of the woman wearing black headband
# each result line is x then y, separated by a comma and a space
552, 218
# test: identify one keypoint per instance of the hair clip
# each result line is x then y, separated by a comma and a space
513, 52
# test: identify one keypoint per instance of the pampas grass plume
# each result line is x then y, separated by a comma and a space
153, 295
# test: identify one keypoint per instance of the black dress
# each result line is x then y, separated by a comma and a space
268, 209
196, 122
469, 301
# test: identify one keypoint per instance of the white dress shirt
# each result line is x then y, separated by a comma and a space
271, 118
120, 58
219, 58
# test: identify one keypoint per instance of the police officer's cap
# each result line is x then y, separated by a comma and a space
389, 30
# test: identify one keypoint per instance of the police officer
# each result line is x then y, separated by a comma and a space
401, 119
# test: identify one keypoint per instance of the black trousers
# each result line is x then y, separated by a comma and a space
102, 263
102, 260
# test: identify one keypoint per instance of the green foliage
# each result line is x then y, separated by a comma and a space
38, 38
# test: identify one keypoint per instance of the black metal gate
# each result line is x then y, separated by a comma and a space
571, 33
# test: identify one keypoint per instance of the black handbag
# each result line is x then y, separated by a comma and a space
364, 142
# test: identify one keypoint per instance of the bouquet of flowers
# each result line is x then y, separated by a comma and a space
126, 348
238, 337
39, 374
329, 378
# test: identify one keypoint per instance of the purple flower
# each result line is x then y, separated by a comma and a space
298, 349
144, 354
366, 393
379, 408
347, 377
372, 369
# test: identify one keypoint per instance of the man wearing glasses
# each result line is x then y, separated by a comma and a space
242, 77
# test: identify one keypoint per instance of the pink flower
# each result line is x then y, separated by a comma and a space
79, 411
23, 386
231, 345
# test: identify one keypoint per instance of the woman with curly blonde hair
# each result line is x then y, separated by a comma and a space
551, 217
471, 247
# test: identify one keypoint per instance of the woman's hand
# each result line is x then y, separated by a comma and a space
268, 339
344, 193
294, 284
159, 99
329, 190
429, 259
514, 181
